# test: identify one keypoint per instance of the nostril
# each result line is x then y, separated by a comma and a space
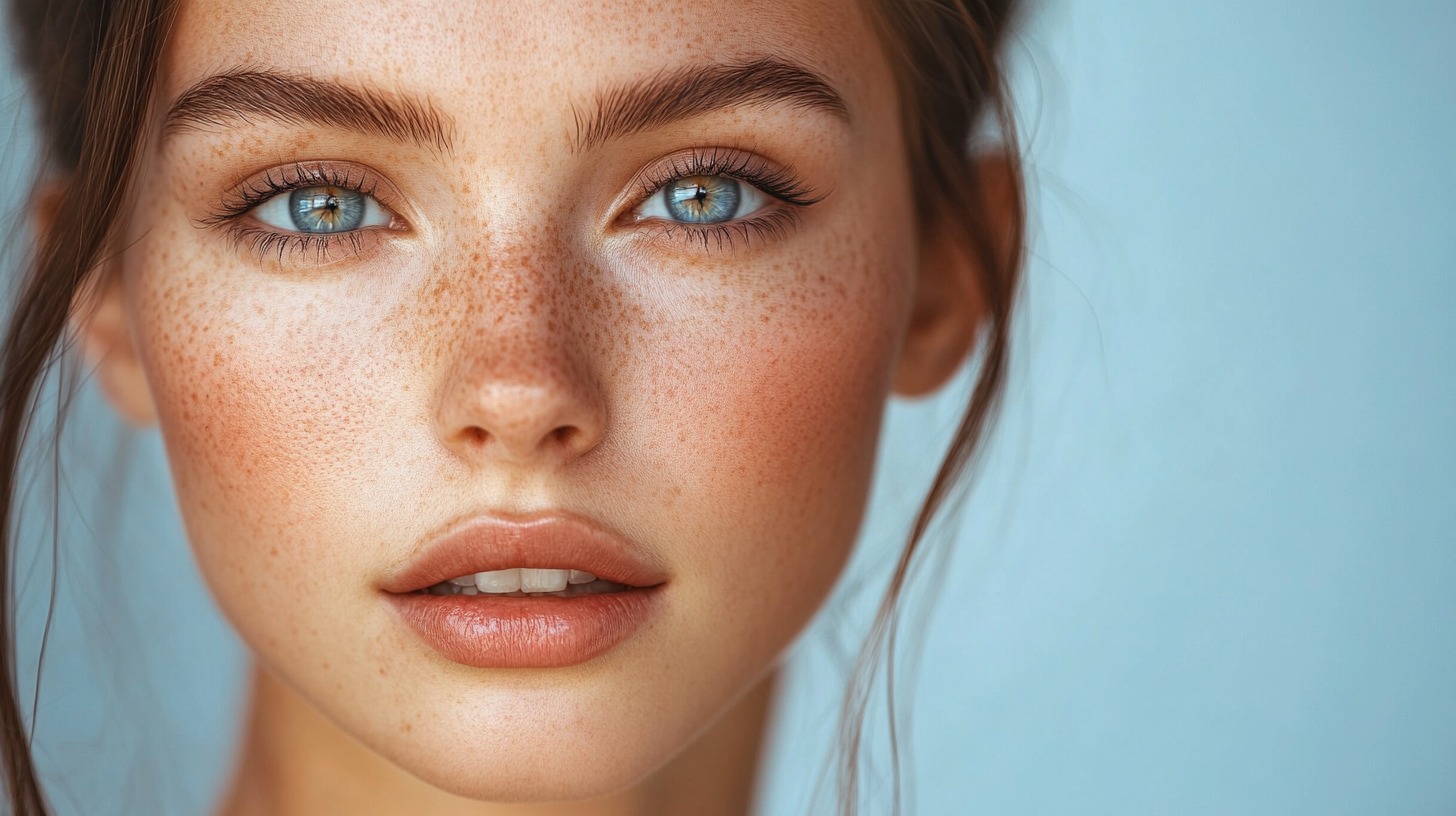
567, 435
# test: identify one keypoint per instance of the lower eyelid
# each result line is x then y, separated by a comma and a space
728, 236
308, 249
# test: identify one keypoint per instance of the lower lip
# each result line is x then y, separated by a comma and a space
526, 633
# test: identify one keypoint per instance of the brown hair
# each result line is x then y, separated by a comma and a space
93, 65
945, 58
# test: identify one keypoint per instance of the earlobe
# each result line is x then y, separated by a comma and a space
949, 305
100, 325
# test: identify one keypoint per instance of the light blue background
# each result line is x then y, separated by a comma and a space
1209, 566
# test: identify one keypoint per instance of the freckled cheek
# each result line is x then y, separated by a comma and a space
789, 421
266, 434
778, 440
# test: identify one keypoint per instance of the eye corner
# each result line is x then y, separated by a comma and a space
217, 216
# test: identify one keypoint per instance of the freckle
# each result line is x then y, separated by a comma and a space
407, 727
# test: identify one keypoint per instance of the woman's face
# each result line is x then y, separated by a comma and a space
631, 273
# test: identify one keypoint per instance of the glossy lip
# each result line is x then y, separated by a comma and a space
487, 631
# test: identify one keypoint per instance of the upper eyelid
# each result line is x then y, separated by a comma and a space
255, 188
650, 180
745, 165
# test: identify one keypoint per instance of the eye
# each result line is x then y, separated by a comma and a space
322, 210
702, 199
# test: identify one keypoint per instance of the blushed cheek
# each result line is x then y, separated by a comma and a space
803, 399
787, 419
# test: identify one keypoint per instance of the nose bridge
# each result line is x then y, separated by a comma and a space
519, 382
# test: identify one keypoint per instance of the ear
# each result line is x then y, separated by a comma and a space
949, 307
104, 331
101, 326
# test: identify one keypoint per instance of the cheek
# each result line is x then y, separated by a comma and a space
268, 402
767, 415
799, 394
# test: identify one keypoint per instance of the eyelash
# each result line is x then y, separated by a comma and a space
778, 183
265, 241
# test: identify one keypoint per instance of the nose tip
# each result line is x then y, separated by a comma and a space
522, 422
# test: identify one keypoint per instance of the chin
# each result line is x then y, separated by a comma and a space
529, 738
591, 773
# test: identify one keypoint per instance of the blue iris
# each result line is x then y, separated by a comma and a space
702, 199
326, 209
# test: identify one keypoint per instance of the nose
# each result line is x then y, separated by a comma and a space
521, 390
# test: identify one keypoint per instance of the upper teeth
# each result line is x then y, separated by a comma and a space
523, 579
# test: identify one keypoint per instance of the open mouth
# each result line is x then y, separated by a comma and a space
524, 582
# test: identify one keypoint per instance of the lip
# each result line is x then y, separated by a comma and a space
486, 631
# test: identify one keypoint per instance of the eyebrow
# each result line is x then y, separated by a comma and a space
297, 99
692, 90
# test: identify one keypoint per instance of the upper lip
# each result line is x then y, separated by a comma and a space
543, 541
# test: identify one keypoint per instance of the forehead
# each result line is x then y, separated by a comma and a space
511, 60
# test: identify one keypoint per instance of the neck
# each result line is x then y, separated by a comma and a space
294, 761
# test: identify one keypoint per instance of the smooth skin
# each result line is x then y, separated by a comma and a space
515, 342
